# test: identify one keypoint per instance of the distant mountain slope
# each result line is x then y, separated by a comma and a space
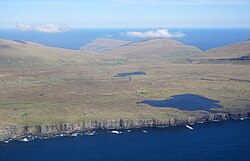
103, 45
19, 54
147, 49
234, 53
162, 49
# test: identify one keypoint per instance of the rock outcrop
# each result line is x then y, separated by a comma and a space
18, 132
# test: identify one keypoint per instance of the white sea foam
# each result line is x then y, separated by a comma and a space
25, 139
189, 127
116, 132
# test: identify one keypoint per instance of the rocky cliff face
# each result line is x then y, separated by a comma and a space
19, 132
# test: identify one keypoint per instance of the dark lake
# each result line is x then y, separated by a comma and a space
217, 141
190, 102
129, 74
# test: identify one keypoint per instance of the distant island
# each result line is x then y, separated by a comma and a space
46, 91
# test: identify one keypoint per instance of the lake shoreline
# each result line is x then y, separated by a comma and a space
20, 132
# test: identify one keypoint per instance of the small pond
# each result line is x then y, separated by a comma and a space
190, 102
129, 74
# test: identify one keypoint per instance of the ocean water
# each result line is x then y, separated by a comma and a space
74, 39
189, 102
218, 141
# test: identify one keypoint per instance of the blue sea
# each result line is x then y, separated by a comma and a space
218, 141
75, 38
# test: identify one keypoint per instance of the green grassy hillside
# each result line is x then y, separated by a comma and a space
154, 49
40, 85
17, 54
234, 53
103, 45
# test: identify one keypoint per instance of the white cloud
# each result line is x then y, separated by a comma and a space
51, 28
23, 27
45, 28
159, 33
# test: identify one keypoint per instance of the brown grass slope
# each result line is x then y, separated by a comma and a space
237, 52
166, 49
18, 54
72, 86
103, 45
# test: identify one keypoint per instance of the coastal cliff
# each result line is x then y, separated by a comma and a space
18, 132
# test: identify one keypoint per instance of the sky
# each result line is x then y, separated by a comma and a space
63, 15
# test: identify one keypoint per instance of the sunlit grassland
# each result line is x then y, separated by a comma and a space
71, 86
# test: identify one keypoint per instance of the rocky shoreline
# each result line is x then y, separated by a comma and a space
18, 132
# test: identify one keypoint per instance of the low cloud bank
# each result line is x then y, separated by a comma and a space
51, 28
159, 33
23, 27
45, 28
